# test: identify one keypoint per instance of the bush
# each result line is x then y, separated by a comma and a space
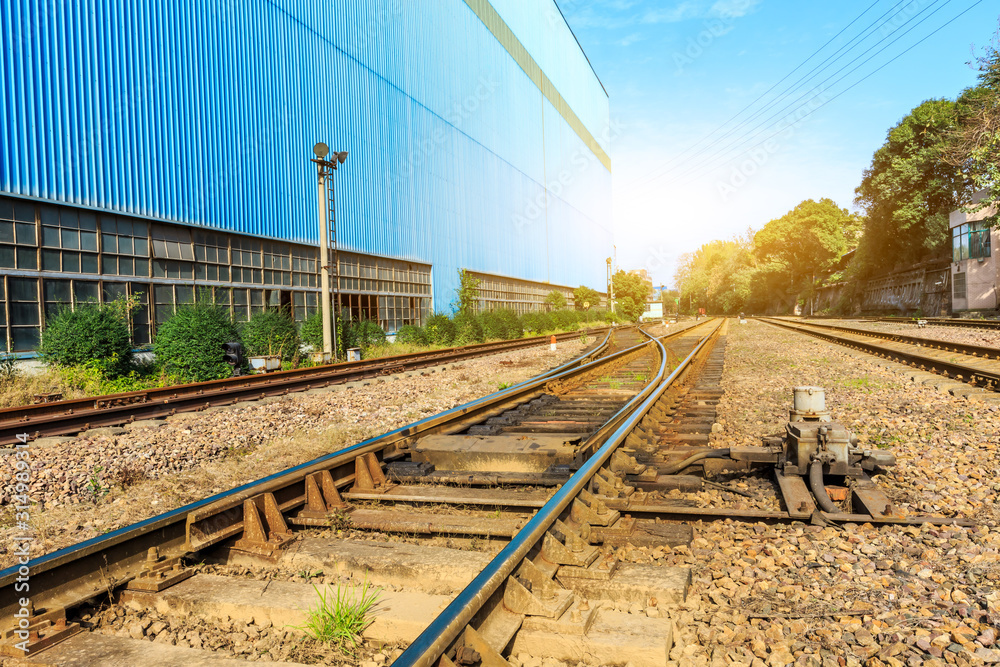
189, 344
468, 329
501, 323
311, 332
566, 319
411, 335
537, 323
439, 330
93, 334
272, 331
363, 334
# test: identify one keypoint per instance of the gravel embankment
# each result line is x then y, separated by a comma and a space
848, 595
92, 485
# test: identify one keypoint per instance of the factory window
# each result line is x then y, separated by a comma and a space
168, 268
246, 303
3, 316
211, 251
86, 292
24, 316
247, 261
970, 241
959, 286
141, 334
277, 264
304, 304
17, 233
163, 302
172, 243
519, 295
125, 246
69, 240
304, 267
58, 295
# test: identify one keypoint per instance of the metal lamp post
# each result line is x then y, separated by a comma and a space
327, 224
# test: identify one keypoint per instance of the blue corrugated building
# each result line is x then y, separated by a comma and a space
163, 149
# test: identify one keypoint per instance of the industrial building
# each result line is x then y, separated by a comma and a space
163, 150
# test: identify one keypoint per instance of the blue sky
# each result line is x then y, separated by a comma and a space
678, 71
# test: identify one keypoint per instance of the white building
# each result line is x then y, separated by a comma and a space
974, 270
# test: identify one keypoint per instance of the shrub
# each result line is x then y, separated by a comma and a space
411, 335
91, 333
189, 344
271, 331
565, 319
501, 323
468, 329
537, 322
439, 330
311, 331
363, 334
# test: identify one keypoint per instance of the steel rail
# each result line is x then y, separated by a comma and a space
948, 346
435, 640
944, 321
966, 373
73, 415
82, 571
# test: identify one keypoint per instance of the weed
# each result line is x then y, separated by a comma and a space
310, 574
341, 615
338, 520
94, 485
9, 372
583, 338
503, 385
639, 377
615, 384
129, 474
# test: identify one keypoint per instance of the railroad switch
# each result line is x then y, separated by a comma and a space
812, 447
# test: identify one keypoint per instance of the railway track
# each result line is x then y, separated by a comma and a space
64, 417
975, 365
515, 454
489, 531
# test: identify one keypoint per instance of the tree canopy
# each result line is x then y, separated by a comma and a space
584, 295
631, 294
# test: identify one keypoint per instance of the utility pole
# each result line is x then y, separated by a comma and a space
324, 169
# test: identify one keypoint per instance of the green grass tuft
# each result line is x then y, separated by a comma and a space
341, 615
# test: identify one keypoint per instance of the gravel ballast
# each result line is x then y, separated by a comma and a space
99, 482
851, 594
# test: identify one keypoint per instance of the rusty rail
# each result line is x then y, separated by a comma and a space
73, 415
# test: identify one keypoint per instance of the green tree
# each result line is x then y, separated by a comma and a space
909, 190
555, 300
467, 294
583, 295
806, 242
974, 147
630, 294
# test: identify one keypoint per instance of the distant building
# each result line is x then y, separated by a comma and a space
654, 311
975, 273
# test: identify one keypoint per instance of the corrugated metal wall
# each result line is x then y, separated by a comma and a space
206, 114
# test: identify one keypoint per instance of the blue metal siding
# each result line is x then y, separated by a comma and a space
207, 116
540, 26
